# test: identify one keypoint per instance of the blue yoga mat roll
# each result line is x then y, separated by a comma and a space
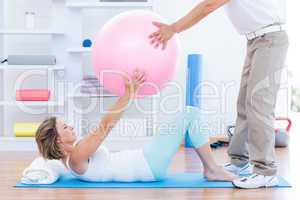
193, 89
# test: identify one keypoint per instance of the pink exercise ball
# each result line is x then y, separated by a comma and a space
123, 45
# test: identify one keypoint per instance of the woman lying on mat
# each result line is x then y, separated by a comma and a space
89, 160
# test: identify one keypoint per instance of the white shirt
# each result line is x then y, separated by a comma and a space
251, 15
123, 166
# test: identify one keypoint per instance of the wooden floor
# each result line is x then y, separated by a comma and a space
12, 164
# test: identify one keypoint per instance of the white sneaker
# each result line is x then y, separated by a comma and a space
256, 181
240, 171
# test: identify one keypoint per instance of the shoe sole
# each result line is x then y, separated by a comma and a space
253, 188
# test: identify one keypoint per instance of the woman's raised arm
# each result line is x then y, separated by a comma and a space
90, 143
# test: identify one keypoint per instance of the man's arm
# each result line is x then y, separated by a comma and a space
199, 12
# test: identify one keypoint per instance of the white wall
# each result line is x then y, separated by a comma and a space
293, 63
1, 58
223, 51
1, 25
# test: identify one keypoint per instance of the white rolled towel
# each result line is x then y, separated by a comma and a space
42, 171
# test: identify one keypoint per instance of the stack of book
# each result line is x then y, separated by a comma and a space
91, 85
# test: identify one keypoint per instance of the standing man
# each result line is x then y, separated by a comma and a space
262, 23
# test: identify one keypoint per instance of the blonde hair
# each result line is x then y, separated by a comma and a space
46, 139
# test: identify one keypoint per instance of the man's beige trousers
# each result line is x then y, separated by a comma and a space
254, 133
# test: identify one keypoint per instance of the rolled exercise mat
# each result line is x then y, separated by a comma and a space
33, 95
25, 129
193, 89
31, 60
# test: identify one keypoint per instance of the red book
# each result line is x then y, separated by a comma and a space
33, 95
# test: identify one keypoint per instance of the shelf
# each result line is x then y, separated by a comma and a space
30, 32
79, 50
17, 144
31, 67
82, 95
20, 139
108, 4
30, 103
9, 143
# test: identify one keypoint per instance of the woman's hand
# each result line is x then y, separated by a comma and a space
132, 85
163, 35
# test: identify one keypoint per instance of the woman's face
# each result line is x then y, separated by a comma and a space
66, 133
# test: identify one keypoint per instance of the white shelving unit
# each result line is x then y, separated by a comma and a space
9, 107
30, 32
79, 50
82, 95
67, 16
149, 4
31, 103
31, 67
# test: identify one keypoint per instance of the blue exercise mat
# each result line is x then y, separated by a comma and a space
181, 180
